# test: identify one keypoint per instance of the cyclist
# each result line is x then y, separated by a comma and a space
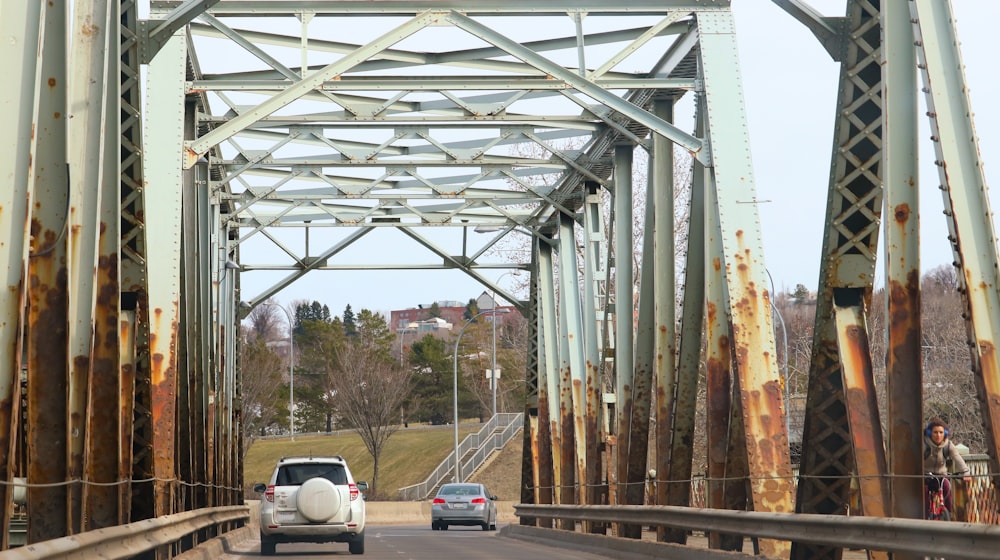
941, 458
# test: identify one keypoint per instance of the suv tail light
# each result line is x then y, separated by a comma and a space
439, 500
479, 500
354, 491
269, 493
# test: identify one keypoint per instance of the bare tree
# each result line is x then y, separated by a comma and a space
368, 391
267, 321
260, 372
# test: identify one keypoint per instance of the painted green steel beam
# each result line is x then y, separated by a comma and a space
265, 8
744, 270
966, 202
88, 89
515, 49
197, 148
158, 32
904, 357
18, 62
548, 347
48, 306
163, 189
479, 58
828, 30
432, 83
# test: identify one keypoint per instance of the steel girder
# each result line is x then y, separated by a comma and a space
854, 207
967, 206
843, 436
96, 441
290, 152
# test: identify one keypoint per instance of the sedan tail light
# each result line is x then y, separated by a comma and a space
439, 500
269, 494
354, 491
479, 500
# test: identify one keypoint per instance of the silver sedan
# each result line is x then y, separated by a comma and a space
464, 503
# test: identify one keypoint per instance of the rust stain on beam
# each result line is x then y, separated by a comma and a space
162, 347
567, 490
760, 391
905, 394
102, 427
48, 371
126, 411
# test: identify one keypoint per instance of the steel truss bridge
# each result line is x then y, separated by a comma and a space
140, 169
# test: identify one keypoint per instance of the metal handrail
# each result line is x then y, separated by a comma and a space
125, 541
955, 541
511, 421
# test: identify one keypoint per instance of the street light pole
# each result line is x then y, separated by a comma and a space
493, 365
458, 459
784, 363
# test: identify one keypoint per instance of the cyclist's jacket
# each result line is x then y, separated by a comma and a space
943, 459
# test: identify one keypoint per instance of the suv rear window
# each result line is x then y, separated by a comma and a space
295, 475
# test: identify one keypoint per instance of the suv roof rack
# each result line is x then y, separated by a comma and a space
290, 457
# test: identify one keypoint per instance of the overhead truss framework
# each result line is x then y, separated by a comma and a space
363, 116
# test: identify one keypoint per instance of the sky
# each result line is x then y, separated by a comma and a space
790, 90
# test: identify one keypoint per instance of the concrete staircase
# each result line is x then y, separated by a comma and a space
473, 452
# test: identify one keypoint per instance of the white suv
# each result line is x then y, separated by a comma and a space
312, 499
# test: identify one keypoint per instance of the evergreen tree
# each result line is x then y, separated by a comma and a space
432, 397
435, 311
318, 347
372, 332
314, 311
350, 326
471, 309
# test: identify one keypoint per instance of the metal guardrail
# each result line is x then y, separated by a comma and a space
955, 541
483, 442
125, 541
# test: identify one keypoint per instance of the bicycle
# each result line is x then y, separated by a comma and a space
935, 504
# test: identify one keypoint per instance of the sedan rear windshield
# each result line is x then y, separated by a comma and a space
295, 475
468, 490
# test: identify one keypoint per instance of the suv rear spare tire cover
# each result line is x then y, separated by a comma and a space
318, 499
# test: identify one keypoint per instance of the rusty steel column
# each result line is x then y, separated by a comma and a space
568, 333
127, 327
850, 242
680, 453
531, 492
744, 271
903, 367
966, 204
88, 141
101, 507
623, 364
721, 410
718, 404
47, 343
135, 460
862, 405
593, 266
18, 58
163, 192
549, 370
645, 348
574, 361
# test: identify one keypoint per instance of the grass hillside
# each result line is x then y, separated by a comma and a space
408, 457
